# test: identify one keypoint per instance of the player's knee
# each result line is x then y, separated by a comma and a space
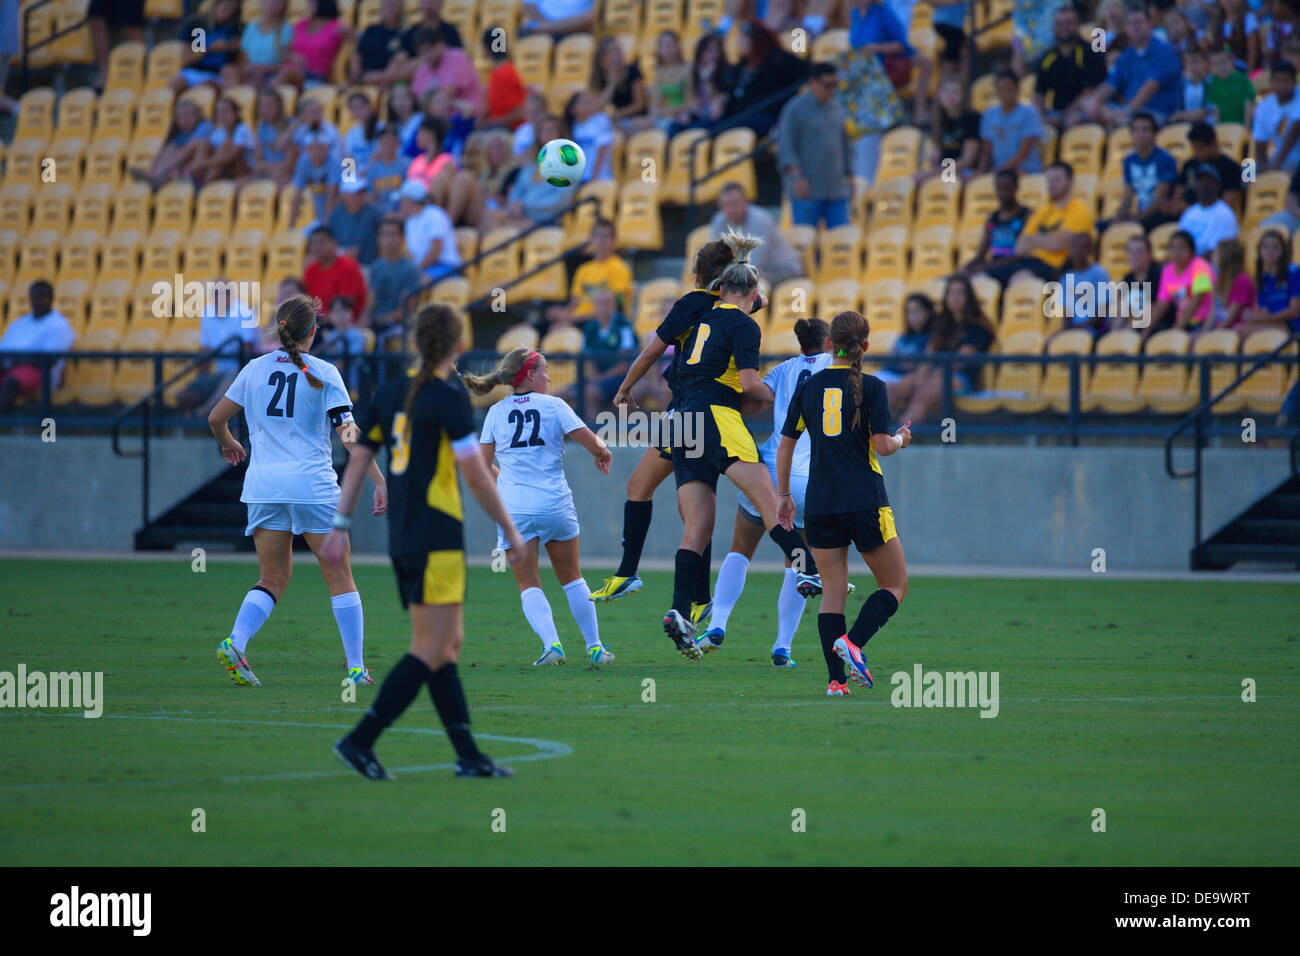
277, 584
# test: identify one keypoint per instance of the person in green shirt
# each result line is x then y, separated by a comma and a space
1228, 89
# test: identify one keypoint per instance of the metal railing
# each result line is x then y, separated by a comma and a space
54, 37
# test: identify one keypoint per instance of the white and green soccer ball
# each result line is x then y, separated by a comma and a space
562, 163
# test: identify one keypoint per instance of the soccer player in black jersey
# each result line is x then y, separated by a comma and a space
427, 426
719, 372
846, 415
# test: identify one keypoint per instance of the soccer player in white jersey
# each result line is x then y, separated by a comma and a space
525, 433
781, 382
290, 400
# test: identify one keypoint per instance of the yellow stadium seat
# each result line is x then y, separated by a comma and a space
1056, 380
181, 338
936, 201
23, 161
793, 299
255, 207
173, 206
243, 253
830, 45
1086, 189
67, 153
676, 185
110, 305
74, 44
573, 59
284, 211
1113, 387
532, 59
146, 305
578, 223
886, 255
1019, 386
731, 147
899, 153
803, 240
542, 246
881, 344
125, 67
202, 253
979, 199
695, 240
10, 241
136, 378
840, 253
1265, 389
621, 16
141, 152
115, 115
892, 203
94, 377
1164, 384
1112, 194
36, 256
72, 299
651, 297
119, 256
1113, 254
498, 267
104, 159
838, 295
77, 111
244, 97
1173, 139
1032, 191
16, 206
52, 208
1118, 145
988, 291
931, 254
78, 256
1222, 374
645, 156
36, 114
284, 257
1022, 308
640, 225
1159, 238
132, 203
1082, 148
983, 93
1266, 196
1233, 140
164, 62
883, 307
205, 98
215, 206
153, 115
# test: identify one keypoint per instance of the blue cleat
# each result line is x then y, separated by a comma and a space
710, 640
781, 659
854, 660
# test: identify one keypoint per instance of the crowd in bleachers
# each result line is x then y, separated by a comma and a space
941, 161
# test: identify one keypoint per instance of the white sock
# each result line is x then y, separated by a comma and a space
257, 607
583, 610
729, 587
789, 612
352, 627
538, 612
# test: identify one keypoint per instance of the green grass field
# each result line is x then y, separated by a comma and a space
1120, 695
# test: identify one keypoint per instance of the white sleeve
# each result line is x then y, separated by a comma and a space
466, 447
238, 391
336, 393
774, 376
568, 419
488, 435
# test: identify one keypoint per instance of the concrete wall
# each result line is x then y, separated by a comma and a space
955, 505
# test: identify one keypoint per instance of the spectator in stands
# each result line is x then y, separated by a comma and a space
1147, 76
430, 235
103, 17
559, 17
918, 318
763, 71
708, 86
775, 258
189, 131
1112, 16
1085, 288
1031, 32
355, 221
1210, 219
225, 317
1229, 91
217, 59
265, 41
1180, 34
437, 104
11, 47
497, 170
950, 24
813, 153
506, 93
393, 277
1139, 283
430, 19
312, 124
1234, 289
405, 116
1011, 131
1275, 129
341, 341
1068, 71
1193, 107
330, 274
1150, 176
316, 176
619, 86
437, 64
524, 140
955, 135
532, 199
378, 56
1044, 243
1288, 219
1003, 228
1278, 296
604, 270
386, 170
227, 153
43, 329
359, 141
875, 28
271, 160
670, 93
591, 129
456, 190
316, 42
1205, 152
1232, 26
607, 334
1186, 293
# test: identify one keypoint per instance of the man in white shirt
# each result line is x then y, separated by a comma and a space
430, 235
775, 258
1276, 129
1210, 219
224, 315
43, 329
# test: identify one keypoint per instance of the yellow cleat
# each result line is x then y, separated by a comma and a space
616, 587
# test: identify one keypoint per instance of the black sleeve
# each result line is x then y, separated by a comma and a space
970, 126
372, 422
458, 417
746, 344
1094, 68
794, 423
877, 401
1295, 182
679, 320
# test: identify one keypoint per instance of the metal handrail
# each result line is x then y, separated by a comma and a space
55, 35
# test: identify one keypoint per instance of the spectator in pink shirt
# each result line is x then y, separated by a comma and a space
1234, 289
316, 43
1185, 298
440, 66
456, 190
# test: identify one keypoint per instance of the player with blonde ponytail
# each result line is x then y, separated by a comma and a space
291, 486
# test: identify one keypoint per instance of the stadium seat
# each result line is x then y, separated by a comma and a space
1233, 140
830, 45
732, 149
141, 152
103, 160
284, 211
791, 300
67, 153
243, 256
153, 117
838, 295
125, 67
640, 225
181, 338
1159, 238
645, 155
36, 256
500, 265
173, 207
1022, 308
1082, 146
1173, 139
284, 255
1164, 384
532, 59
578, 223
1265, 389
160, 257
892, 203
1019, 386
899, 153
52, 207
94, 377
132, 203
164, 62
1222, 374
136, 378
72, 299
840, 253
146, 307
651, 297
36, 114
215, 206
110, 306
1112, 195
1266, 196
988, 292
244, 97
676, 185
542, 246
886, 255
16, 206
935, 202
803, 240
573, 59
255, 207
882, 343
1118, 145
1056, 379
1087, 189
78, 256
1113, 253
983, 93
9, 245
202, 253
1113, 387
979, 199
931, 254
77, 109
119, 256
621, 16
1032, 191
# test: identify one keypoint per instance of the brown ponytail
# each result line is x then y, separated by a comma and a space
438, 330
849, 331
503, 374
295, 318
811, 334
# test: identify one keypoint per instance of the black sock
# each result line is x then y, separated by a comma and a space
685, 580
795, 548
395, 695
830, 628
636, 525
449, 700
702, 590
878, 609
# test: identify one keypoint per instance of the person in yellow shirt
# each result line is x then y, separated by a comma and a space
1043, 245
604, 271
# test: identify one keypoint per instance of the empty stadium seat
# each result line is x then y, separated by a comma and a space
1164, 384
1113, 387
1056, 379
542, 246
640, 225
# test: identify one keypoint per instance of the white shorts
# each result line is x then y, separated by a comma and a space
554, 526
298, 518
798, 488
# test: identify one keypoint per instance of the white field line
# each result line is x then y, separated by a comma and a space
546, 749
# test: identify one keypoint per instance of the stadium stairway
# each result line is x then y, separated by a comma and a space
211, 516
1267, 531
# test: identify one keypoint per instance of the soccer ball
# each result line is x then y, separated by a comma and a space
562, 163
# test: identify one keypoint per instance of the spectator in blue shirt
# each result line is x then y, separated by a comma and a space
1011, 131
1147, 76
1149, 175
1277, 299
875, 28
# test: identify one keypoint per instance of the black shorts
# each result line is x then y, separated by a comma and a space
865, 530
118, 13
720, 440
435, 577
954, 41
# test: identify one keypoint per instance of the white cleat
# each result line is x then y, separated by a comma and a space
236, 665
552, 655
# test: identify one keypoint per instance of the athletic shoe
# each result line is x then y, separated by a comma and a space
682, 632
362, 760
482, 767
600, 654
809, 585
616, 587
710, 640
852, 587
552, 655
236, 664
359, 675
780, 659
700, 612
854, 660
836, 689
